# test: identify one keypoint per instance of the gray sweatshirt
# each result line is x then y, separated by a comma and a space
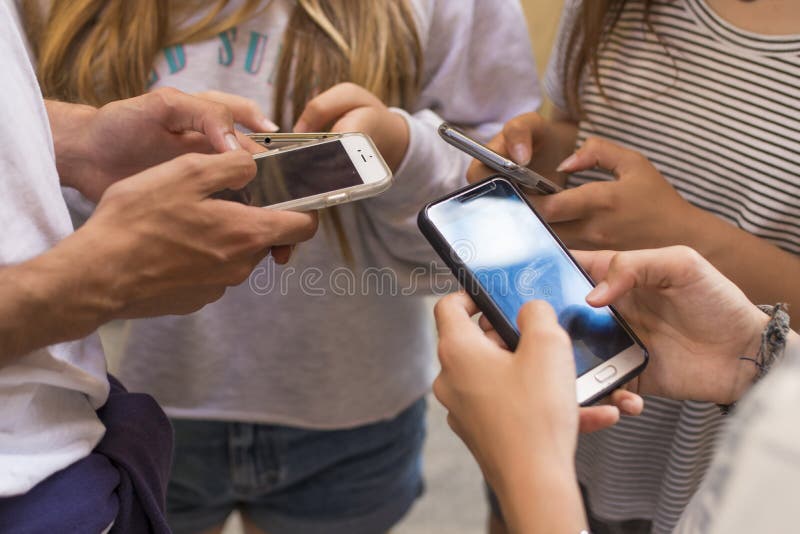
318, 344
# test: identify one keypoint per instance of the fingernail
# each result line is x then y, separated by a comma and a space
301, 127
520, 154
598, 292
231, 142
568, 163
269, 126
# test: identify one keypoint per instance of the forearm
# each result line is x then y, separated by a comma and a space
68, 123
762, 270
541, 496
61, 295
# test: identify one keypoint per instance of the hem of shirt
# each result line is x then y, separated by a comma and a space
287, 420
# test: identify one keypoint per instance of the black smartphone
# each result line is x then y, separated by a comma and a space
504, 255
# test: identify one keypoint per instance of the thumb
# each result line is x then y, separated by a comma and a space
597, 152
647, 269
544, 342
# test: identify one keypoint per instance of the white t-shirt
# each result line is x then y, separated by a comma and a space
49, 397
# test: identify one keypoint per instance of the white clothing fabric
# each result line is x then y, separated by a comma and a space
47, 398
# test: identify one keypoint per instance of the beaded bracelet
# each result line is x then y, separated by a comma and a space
773, 342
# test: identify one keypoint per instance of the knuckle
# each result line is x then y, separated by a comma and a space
439, 388
191, 164
445, 348
592, 143
439, 308
688, 255
313, 108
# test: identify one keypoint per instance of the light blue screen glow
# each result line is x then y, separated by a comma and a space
515, 259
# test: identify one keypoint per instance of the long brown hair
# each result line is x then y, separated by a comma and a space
595, 21
96, 51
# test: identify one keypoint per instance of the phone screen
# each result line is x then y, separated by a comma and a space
308, 171
514, 258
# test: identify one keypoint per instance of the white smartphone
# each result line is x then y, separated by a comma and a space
504, 255
323, 172
521, 175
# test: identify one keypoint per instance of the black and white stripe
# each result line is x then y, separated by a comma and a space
717, 110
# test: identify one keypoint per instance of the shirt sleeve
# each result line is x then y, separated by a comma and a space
479, 73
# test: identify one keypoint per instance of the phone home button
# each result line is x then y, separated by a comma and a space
606, 373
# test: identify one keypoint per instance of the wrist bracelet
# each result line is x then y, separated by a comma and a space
773, 343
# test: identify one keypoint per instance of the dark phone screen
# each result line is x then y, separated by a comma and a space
515, 259
301, 173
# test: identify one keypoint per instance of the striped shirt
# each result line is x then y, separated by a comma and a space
717, 111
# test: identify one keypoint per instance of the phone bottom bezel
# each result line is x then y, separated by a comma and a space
628, 363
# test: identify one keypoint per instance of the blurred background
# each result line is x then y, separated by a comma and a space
453, 502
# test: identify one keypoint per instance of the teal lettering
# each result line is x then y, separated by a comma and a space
255, 52
176, 58
226, 50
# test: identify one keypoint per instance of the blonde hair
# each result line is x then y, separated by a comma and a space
96, 51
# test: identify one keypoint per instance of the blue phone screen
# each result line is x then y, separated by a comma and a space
516, 259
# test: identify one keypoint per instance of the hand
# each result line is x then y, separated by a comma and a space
169, 248
517, 412
695, 322
244, 110
97, 147
348, 107
491, 393
640, 209
531, 141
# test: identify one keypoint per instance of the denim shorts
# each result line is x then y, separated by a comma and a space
290, 480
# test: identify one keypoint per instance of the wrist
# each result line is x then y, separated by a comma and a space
395, 153
71, 128
767, 341
540, 494
65, 291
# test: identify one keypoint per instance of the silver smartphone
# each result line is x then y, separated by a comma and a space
315, 171
504, 255
521, 175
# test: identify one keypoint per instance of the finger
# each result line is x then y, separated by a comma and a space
245, 111
484, 323
654, 269
540, 334
326, 108
453, 315
263, 229
594, 262
250, 145
179, 113
597, 418
495, 338
210, 173
282, 228
520, 133
571, 204
282, 254
602, 153
478, 171
628, 402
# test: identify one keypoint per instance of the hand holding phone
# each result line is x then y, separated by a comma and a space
314, 171
505, 255
521, 175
